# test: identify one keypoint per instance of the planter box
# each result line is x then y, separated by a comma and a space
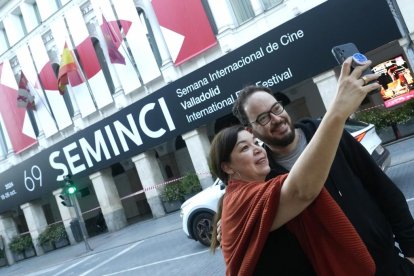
29, 252
171, 206
48, 247
386, 134
61, 243
18, 256
3, 261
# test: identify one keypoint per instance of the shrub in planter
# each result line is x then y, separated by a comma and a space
44, 238
52, 234
58, 232
172, 192
177, 191
172, 196
20, 243
3, 260
382, 117
190, 184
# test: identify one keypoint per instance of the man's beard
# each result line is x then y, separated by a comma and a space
285, 141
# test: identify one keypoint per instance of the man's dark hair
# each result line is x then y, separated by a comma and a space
244, 95
282, 98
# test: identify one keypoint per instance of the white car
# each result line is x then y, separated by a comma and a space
197, 213
368, 137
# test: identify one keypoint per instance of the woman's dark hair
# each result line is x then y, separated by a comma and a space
214, 241
221, 148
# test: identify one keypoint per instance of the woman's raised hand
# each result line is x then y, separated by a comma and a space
352, 88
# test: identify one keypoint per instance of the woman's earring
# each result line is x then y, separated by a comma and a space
234, 173
239, 174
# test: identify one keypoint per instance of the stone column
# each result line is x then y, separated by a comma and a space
408, 49
36, 221
198, 146
8, 230
67, 214
149, 173
109, 199
326, 83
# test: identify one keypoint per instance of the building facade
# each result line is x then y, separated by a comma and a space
151, 83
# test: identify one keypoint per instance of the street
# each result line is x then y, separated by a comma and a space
401, 170
159, 246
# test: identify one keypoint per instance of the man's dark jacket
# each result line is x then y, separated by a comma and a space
374, 205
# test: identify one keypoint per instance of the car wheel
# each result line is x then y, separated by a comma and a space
203, 227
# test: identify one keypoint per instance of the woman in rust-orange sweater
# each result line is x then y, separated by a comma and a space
252, 207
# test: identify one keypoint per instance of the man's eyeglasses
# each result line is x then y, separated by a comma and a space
264, 118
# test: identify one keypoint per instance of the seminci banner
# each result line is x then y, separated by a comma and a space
286, 55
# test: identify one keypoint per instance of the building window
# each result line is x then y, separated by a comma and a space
150, 35
37, 13
20, 16
242, 9
86, 8
66, 96
58, 3
5, 44
14, 63
47, 37
210, 16
103, 63
268, 4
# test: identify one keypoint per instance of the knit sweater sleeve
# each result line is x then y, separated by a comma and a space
385, 193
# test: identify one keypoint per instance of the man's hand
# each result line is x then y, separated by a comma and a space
411, 259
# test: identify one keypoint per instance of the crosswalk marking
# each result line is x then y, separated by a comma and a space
156, 263
73, 265
110, 259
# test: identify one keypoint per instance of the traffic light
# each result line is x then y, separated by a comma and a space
66, 200
70, 188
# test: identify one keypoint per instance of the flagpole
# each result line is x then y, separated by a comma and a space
131, 59
47, 105
80, 68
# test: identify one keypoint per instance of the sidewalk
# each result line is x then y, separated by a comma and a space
130, 234
401, 154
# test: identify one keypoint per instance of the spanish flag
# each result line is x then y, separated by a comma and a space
68, 69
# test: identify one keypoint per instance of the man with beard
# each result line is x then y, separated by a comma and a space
369, 199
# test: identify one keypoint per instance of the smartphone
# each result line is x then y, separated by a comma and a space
342, 52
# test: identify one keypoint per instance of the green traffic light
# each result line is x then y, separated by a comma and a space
71, 190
